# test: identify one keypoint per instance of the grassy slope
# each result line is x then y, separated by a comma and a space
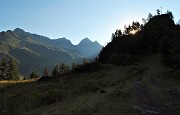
144, 88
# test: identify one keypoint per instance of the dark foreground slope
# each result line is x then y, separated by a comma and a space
145, 88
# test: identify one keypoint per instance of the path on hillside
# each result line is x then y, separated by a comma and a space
148, 102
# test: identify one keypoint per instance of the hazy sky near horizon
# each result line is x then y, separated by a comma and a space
77, 19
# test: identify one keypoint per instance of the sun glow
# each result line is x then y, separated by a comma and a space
133, 31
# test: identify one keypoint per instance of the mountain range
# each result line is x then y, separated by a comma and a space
33, 52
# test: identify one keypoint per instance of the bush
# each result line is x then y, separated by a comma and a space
88, 67
33, 75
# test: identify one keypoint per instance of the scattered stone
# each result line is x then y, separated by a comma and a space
138, 82
153, 112
137, 107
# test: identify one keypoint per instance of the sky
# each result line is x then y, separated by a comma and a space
78, 19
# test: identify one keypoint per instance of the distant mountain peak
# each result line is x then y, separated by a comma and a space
96, 42
63, 39
19, 30
9, 31
85, 41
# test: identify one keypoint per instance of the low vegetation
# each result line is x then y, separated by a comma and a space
105, 90
144, 77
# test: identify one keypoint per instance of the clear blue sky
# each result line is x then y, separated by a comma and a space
77, 19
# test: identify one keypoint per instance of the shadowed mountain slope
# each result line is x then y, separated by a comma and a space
33, 52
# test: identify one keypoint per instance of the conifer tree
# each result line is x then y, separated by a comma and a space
74, 66
63, 68
33, 75
149, 16
170, 14
9, 70
55, 71
46, 72
158, 12
13, 70
4, 68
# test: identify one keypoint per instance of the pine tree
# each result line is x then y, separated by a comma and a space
12, 70
46, 72
119, 33
55, 71
9, 70
144, 21
149, 16
74, 66
170, 14
3, 68
158, 12
33, 75
63, 68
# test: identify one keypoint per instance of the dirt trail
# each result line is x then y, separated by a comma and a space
148, 102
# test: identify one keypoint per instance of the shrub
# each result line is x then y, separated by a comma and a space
33, 75
88, 67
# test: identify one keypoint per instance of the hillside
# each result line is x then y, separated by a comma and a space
159, 35
93, 48
33, 52
144, 88
30, 56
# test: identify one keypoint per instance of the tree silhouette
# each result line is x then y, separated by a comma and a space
63, 68
55, 71
158, 12
74, 65
144, 21
4, 68
113, 37
134, 27
170, 14
33, 75
9, 70
46, 72
117, 34
149, 16
13, 70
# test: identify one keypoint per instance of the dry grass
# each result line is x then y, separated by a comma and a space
5, 82
109, 90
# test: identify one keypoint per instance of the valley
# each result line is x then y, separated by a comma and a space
33, 52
